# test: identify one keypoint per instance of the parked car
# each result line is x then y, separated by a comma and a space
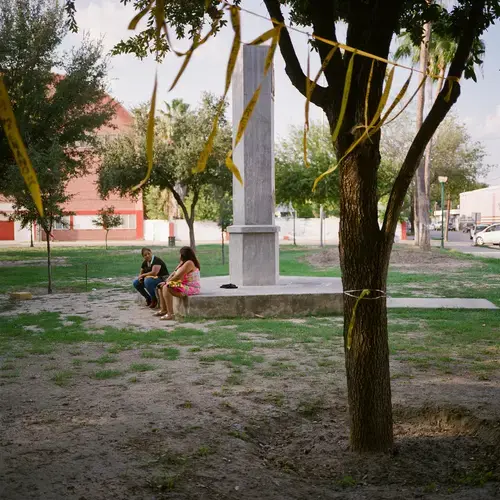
488, 236
476, 229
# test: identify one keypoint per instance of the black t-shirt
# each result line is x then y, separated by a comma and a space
146, 268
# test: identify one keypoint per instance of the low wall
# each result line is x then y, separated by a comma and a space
307, 231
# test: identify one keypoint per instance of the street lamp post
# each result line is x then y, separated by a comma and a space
442, 181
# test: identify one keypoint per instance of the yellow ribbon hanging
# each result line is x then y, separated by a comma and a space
150, 136
247, 113
17, 146
235, 48
363, 294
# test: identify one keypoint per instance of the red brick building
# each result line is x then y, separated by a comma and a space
86, 202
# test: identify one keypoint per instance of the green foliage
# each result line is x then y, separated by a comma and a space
294, 181
456, 155
177, 147
55, 113
453, 154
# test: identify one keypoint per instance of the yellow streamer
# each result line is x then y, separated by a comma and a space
396, 101
365, 134
451, 80
363, 294
150, 136
308, 98
345, 98
135, 21
310, 86
17, 146
247, 113
368, 90
422, 82
189, 54
202, 161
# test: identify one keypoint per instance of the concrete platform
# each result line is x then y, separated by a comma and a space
294, 296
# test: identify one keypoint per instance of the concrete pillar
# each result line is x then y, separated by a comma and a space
254, 244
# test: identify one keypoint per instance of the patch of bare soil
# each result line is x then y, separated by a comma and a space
192, 429
404, 258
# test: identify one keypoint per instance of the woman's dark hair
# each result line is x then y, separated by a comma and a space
187, 253
145, 250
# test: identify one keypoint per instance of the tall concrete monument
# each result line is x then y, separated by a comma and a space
254, 243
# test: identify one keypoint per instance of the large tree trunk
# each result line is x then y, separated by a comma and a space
424, 237
49, 264
364, 257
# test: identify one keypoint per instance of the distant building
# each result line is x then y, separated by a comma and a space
85, 204
481, 205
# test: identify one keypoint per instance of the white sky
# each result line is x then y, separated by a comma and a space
132, 80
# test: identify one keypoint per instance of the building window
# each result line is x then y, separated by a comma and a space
63, 224
128, 221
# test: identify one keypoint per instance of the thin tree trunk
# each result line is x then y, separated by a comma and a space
192, 241
416, 225
448, 208
106, 239
222, 246
364, 262
32, 244
424, 239
49, 264
427, 156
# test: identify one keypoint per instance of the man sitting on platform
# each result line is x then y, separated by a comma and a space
153, 272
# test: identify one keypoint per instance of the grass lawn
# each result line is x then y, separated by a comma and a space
451, 274
240, 408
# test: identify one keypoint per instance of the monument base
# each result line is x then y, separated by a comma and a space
254, 255
292, 296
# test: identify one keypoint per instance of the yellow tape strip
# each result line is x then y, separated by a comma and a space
396, 101
345, 97
368, 90
409, 100
135, 21
247, 113
150, 136
451, 80
202, 160
363, 294
189, 54
365, 134
17, 146
308, 98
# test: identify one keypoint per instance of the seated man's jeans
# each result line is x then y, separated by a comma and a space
147, 287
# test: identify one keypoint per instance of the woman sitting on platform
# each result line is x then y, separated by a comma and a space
183, 282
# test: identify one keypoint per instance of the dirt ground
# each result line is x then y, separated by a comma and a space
184, 431
405, 258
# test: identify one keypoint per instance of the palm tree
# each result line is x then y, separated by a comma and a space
440, 53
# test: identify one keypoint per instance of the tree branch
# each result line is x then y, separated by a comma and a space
196, 196
324, 26
178, 199
293, 68
436, 115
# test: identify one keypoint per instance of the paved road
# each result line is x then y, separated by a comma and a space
462, 243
